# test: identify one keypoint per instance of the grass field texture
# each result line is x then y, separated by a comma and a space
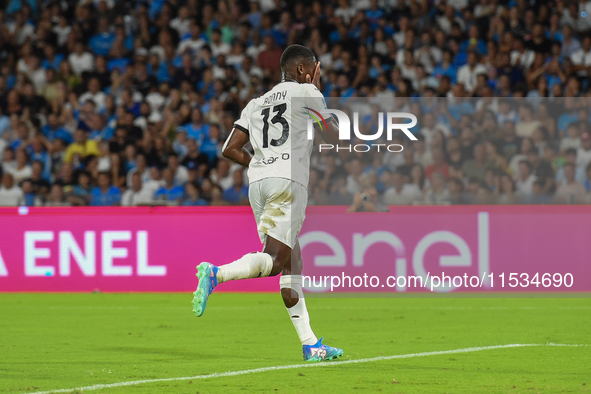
67, 341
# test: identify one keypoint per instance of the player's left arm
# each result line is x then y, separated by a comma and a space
330, 135
234, 148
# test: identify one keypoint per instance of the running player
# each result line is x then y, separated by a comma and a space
278, 173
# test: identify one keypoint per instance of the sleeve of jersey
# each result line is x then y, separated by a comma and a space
243, 124
317, 102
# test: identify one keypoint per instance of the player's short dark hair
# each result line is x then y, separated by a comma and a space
294, 53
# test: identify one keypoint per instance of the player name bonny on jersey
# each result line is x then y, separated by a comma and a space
274, 97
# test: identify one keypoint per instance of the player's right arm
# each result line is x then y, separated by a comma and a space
234, 148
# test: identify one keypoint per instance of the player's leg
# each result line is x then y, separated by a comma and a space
293, 298
270, 262
271, 201
262, 196
268, 202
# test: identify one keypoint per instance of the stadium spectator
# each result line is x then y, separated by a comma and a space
105, 194
438, 193
525, 180
170, 192
137, 194
478, 166
94, 93
439, 164
141, 168
181, 175
80, 60
82, 192
268, 59
527, 124
542, 170
39, 183
467, 73
584, 151
10, 193
22, 170
571, 140
217, 196
570, 191
367, 201
398, 192
8, 162
192, 196
101, 43
56, 198
81, 148
456, 191
238, 192
31, 199
538, 196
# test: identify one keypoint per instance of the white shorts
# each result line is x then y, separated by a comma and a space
279, 207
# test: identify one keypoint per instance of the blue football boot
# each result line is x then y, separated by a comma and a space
320, 352
207, 274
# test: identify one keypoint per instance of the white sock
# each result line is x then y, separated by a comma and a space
299, 313
252, 265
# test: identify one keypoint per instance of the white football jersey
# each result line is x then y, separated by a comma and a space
278, 131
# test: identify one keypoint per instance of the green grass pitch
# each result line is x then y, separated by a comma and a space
63, 341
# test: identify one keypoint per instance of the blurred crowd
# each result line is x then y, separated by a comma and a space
107, 102
488, 150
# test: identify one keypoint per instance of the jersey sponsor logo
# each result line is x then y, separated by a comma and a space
270, 160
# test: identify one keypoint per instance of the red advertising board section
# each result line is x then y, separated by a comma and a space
157, 249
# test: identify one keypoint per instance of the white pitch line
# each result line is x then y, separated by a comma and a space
294, 366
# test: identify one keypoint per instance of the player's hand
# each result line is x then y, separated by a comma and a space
316, 78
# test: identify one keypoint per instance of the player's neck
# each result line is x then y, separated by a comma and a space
288, 78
